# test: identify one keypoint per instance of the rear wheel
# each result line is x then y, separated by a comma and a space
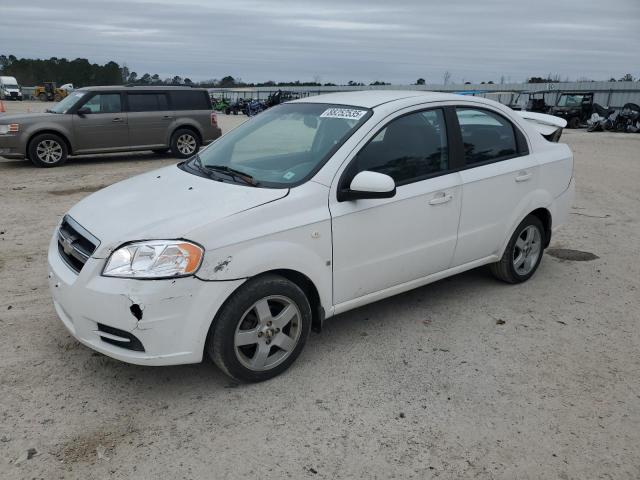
42, 97
184, 143
523, 253
574, 122
261, 329
47, 150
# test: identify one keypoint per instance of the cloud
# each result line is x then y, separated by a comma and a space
335, 40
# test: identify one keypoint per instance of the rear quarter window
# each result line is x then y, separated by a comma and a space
186, 100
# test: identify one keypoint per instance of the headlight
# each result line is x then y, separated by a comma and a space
11, 128
154, 259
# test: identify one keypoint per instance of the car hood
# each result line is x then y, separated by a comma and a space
163, 204
26, 117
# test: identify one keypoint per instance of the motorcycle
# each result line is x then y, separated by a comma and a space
600, 118
629, 118
253, 108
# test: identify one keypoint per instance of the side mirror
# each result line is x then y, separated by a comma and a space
368, 185
83, 111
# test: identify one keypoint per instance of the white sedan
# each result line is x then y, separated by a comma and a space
310, 209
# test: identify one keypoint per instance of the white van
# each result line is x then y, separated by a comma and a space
9, 89
309, 209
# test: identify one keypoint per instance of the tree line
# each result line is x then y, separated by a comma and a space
80, 72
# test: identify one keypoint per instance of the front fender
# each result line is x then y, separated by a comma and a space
46, 127
311, 257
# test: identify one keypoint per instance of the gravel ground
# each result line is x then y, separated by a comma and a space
466, 377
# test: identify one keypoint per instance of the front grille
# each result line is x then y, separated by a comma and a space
14, 95
124, 339
75, 244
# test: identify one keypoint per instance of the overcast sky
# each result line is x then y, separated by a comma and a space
334, 40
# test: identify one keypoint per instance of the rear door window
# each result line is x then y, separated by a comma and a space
487, 136
147, 102
186, 100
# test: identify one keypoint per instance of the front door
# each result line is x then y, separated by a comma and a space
380, 243
103, 126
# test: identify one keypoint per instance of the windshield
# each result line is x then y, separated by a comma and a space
12, 86
570, 100
281, 146
66, 103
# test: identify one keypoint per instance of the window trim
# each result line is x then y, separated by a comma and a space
346, 177
522, 146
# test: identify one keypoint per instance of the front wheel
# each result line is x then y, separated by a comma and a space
523, 253
261, 329
42, 97
48, 150
184, 143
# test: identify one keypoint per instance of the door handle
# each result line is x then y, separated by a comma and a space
440, 198
523, 176
117, 119
167, 116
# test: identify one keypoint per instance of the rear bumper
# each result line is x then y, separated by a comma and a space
213, 134
561, 206
175, 314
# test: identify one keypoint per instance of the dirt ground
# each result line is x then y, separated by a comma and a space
464, 378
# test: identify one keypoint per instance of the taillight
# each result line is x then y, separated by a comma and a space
214, 120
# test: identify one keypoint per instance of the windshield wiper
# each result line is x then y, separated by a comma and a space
245, 177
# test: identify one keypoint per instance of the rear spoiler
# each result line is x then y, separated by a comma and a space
548, 126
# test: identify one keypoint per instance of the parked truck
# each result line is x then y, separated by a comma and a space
9, 89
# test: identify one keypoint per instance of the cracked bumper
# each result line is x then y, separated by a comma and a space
176, 314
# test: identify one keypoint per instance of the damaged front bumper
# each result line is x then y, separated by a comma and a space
169, 318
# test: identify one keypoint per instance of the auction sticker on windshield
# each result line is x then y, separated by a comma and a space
347, 113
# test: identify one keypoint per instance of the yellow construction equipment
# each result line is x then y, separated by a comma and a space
49, 92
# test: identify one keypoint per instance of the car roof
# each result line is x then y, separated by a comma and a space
137, 88
374, 98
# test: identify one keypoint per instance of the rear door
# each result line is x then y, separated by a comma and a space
104, 126
498, 175
150, 119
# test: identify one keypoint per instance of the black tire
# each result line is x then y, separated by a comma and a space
504, 269
227, 111
160, 151
51, 143
574, 122
42, 97
177, 147
221, 344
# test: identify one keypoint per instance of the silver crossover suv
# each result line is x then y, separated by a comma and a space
112, 119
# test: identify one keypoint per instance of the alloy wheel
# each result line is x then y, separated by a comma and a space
49, 151
267, 333
527, 250
186, 144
